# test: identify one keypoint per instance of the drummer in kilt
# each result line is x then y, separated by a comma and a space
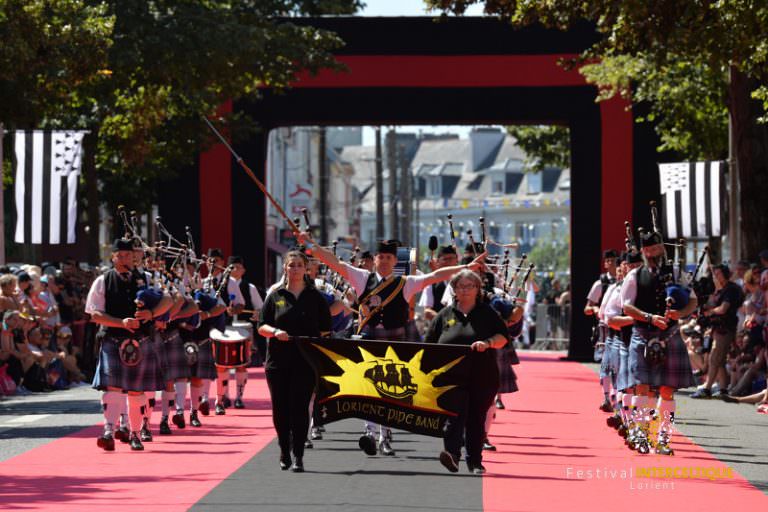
657, 354
125, 334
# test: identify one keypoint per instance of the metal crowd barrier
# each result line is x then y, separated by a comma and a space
553, 325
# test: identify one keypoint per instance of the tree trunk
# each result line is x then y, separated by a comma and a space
751, 139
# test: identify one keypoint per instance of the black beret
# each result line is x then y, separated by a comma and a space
650, 238
366, 255
122, 244
387, 246
235, 260
23, 276
634, 257
214, 252
446, 249
610, 253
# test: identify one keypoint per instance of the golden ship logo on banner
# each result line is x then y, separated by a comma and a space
388, 377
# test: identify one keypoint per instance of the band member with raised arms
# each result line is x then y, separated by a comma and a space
470, 321
383, 299
125, 365
295, 308
657, 353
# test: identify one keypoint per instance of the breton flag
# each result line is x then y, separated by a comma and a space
692, 197
48, 167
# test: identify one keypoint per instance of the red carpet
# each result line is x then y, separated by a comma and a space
552, 429
173, 472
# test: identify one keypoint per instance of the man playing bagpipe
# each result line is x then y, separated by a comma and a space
127, 361
658, 358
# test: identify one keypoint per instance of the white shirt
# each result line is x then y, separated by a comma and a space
611, 306
596, 292
427, 299
253, 292
358, 277
96, 300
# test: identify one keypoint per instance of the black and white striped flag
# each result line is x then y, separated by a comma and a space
692, 195
47, 172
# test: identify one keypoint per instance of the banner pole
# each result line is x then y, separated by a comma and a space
2, 199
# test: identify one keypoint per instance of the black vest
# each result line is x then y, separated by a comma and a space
395, 314
119, 297
651, 290
245, 290
438, 289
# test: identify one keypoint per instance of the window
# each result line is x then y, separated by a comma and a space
497, 185
534, 182
433, 186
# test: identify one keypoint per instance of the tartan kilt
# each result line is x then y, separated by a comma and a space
205, 367
173, 357
623, 377
604, 369
612, 344
676, 371
147, 375
507, 377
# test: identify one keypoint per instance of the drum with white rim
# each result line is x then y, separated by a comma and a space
230, 347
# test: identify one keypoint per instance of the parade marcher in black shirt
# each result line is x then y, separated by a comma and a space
295, 308
470, 321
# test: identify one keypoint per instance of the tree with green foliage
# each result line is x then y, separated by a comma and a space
544, 146
139, 76
694, 62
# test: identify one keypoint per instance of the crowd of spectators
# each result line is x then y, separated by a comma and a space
727, 337
44, 327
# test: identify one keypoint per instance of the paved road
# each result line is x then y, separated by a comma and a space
735, 434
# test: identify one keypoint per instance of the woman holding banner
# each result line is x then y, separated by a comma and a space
470, 321
295, 308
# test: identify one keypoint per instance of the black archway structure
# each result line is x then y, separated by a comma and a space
454, 71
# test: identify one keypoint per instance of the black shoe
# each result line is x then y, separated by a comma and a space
145, 435
487, 446
135, 442
285, 462
315, 434
622, 430
178, 419
613, 421
227, 402
478, 469
385, 448
606, 406
122, 434
308, 444
664, 449
165, 429
367, 444
239, 403
106, 442
194, 420
204, 408
220, 411
298, 465
725, 397
447, 460
701, 393
499, 403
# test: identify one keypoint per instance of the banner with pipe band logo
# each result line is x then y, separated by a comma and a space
409, 386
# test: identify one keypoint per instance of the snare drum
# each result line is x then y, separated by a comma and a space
245, 328
229, 348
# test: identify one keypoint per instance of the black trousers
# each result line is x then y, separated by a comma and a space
469, 426
291, 390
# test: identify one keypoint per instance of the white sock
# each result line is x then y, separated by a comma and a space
124, 411
626, 403
606, 383
666, 410
241, 378
181, 394
195, 394
167, 402
110, 405
136, 411
206, 389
